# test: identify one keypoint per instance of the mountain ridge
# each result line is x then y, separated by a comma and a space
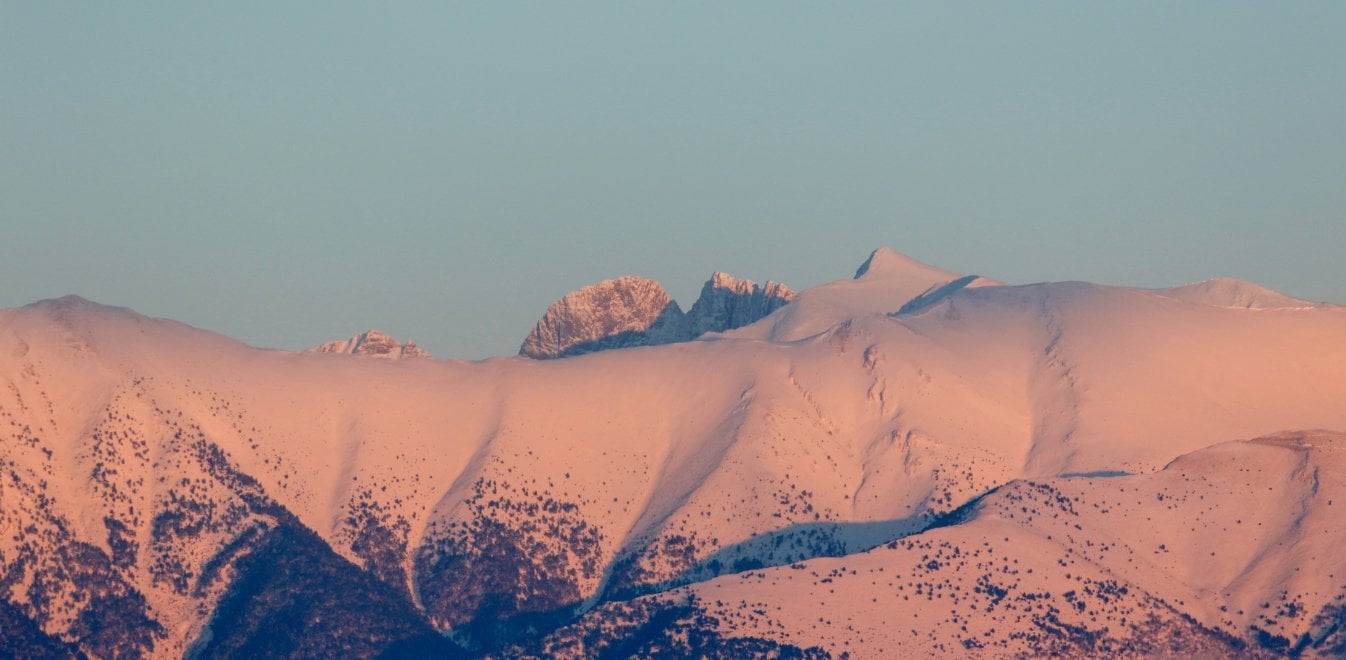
632, 311
143, 462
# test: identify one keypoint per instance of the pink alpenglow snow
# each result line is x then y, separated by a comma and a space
910, 462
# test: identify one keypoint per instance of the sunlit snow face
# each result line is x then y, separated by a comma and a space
941, 462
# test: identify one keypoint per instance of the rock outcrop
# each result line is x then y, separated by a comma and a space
727, 303
617, 313
635, 311
373, 344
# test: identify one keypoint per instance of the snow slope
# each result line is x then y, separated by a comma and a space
882, 284
146, 461
1229, 550
1227, 292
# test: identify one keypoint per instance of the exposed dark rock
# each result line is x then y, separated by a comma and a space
618, 313
726, 303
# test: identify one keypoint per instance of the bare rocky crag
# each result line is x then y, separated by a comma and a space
373, 344
617, 313
635, 311
727, 303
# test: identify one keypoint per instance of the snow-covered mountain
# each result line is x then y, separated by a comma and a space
1230, 551
883, 283
907, 462
1228, 292
373, 344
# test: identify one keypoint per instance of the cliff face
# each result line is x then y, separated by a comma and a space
617, 313
635, 311
727, 303
373, 344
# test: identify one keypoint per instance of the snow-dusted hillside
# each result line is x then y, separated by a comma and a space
167, 490
1229, 550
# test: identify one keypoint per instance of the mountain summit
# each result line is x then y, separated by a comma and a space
1229, 292
885, 282
617, 313
887, 263
373, 344
635, 311
727, 303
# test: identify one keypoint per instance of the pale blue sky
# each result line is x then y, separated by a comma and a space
286, 173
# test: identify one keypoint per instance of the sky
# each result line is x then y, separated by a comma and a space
287, 173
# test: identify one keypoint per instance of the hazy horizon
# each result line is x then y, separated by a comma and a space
287, 176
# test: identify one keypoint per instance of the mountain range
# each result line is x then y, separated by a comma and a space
908, 462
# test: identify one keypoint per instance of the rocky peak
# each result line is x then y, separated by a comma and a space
616, 313
373, 344
721, 280
727, 303
635, 311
